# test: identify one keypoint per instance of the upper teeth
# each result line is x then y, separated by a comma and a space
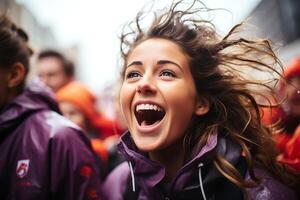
148, 107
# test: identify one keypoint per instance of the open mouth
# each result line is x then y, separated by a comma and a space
148, 114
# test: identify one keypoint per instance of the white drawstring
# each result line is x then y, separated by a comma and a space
132, 176
200, 181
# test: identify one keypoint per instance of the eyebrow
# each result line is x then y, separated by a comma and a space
160, 62
135, 63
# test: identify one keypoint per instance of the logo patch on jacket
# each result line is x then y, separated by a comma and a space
22, 168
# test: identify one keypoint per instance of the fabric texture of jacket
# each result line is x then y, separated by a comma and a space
43, 155
197, 179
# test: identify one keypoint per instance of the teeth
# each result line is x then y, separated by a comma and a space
148, 107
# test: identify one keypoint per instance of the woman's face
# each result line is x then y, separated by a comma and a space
158, 95
73, 113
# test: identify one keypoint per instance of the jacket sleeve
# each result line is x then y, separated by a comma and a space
74, 172
269, 188
116, 182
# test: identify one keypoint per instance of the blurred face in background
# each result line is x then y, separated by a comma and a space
293, 95
72, 112
51, 72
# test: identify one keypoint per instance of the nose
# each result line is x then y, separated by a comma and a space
146, 86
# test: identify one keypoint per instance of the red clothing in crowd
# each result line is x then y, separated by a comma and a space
79, 95
287, 142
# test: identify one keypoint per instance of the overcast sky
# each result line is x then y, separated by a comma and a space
94, 25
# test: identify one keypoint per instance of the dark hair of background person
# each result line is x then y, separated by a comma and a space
68, 66
13, 45
218, 65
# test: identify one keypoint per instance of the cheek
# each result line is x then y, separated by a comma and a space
77, 118
61, 78
182, 104
181, 96
125, 97
290, 92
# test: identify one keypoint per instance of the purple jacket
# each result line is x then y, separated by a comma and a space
196, 175
43, 155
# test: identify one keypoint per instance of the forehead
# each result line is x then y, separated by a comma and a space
158, 48
68, 106
49, 63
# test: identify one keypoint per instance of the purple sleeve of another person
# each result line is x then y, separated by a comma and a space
269, 189
116, 183
75, 174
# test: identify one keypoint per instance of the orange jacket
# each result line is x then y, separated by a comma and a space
289, 145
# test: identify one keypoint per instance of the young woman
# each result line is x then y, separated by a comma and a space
194, 123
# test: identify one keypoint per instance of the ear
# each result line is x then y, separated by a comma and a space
202, 107
16, 75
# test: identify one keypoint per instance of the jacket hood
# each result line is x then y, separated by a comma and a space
35, 97
150, 173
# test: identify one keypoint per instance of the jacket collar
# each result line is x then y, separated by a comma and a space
150, 173
35, 97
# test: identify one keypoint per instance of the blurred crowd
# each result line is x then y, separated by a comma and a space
78, 104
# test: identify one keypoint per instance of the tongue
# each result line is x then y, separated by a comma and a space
148, 123
149, 117
144, 123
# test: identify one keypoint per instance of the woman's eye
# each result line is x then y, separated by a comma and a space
168, 73
132, 75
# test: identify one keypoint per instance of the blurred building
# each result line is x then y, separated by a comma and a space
279, 20
40, 36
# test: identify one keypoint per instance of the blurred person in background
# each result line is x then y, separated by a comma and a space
78, 104
287, 116
43, 155
54, 69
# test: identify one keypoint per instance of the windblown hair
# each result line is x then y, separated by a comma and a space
220, 67
13, 44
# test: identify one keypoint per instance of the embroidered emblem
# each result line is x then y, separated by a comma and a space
86, 171
22, 168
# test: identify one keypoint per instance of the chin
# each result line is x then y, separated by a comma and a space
146, 144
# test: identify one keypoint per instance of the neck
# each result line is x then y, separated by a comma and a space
11, 94
171, 158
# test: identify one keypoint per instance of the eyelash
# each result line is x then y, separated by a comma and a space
170, 73
133, 74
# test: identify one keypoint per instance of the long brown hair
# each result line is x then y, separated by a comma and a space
220, 67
